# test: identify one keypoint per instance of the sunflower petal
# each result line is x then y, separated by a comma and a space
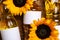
54, 33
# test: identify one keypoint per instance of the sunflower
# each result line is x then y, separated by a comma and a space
43, 30
17, 7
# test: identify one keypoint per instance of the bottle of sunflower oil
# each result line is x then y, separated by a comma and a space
8, 26
34, 14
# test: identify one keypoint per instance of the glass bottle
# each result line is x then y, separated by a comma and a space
56, 13
8, 26
34, 14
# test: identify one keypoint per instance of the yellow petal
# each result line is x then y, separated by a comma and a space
54, 33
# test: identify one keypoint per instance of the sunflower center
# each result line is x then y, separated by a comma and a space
43, 31
19, 3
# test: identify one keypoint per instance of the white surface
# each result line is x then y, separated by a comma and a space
30, 16
54, 1
58, 28
11, 34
